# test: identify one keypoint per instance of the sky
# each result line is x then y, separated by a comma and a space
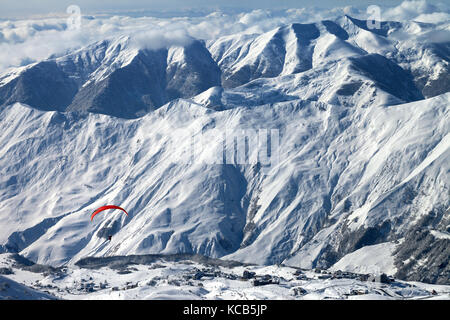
12, 9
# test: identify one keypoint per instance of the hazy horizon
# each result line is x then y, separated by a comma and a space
10, 9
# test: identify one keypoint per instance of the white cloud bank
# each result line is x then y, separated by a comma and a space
25, 41
417, 10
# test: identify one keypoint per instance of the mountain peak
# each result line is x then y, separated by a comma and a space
114, 77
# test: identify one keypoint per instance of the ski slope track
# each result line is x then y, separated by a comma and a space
360, 169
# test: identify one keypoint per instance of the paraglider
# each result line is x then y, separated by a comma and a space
106, 208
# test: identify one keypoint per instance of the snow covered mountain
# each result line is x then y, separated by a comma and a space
113, 77
306, 145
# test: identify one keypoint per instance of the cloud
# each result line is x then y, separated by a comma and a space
161, 38
435, 36
411, 10
435, 17
26, 41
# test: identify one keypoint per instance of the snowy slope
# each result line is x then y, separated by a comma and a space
12, 290
178, 206
162, 278
375, 259
284, 50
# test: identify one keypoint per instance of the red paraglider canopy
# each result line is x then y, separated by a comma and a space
106, 208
